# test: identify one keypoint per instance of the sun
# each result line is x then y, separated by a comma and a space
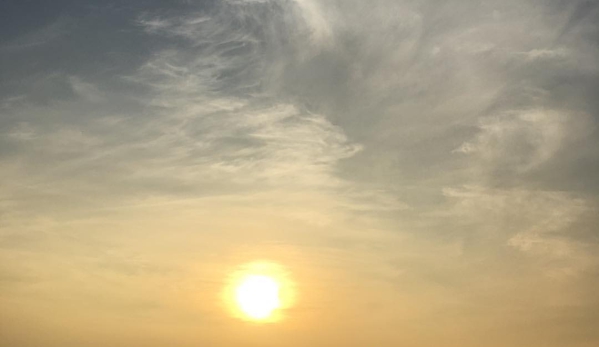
260, 292
258, 296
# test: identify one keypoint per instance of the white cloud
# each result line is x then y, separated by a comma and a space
523, 140
538, 223
318, 21
536, 54
22, 132
86, 90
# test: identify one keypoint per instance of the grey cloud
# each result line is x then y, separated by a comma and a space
205, 127
266, 89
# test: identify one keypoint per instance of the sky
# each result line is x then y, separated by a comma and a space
410, 172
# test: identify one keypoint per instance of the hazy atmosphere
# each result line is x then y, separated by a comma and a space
320, 173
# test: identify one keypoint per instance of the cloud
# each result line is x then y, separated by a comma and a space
42, 36
218, 116
522, 140
208, 126
540, 223
86, 90
535, 54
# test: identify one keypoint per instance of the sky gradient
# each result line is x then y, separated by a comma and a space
424, 173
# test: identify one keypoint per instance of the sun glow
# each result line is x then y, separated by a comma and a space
258, 296
259, 292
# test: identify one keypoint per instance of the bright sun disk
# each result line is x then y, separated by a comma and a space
258, 296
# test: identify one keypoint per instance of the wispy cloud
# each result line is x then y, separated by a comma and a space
42, 36
519, 141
